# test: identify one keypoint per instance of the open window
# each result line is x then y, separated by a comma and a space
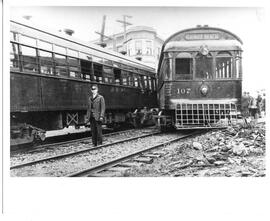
14, 56
204, 66
125, 77
145, 82
29, 59
97, 72
74, 68
46, 62
183, 66
108, 74
149, 83
86, 67
136, 78
224, 65
117, 76
165, 71
130, 79
238, 65
61, 65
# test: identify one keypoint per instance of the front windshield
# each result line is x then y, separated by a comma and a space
204, 64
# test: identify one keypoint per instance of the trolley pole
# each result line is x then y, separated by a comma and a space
102, 35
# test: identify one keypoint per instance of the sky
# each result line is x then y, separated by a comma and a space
246, 22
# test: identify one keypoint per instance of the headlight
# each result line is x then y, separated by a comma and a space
204, 89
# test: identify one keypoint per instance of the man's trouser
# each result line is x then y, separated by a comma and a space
96, 131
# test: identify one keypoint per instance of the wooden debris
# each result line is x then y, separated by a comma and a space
144, 159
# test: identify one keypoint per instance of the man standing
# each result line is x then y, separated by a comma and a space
95, 114
244, 105
259, 103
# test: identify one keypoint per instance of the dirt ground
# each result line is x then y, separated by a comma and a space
237, 151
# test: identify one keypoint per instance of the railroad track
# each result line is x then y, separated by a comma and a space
91, 171
70, 154
70, 146
44, 146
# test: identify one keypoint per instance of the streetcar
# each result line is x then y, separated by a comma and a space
50, 77
199, 79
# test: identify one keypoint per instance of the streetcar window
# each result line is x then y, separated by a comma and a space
29, 59
14, 56
149, 83
86, 68
97, 72
45, 45
28, 41
238, 67
165, 69
46, 62
73, 53
74, 72
141, 82
125, 77
204, 66
13, 36
154, 84
108, 74
74, 69
136, 80
183, 68
117, 76
145, 82
224, 65
130, 79
73, 61
60, 65
60, 49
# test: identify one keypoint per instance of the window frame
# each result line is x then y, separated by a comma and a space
23, 61
222, 72
211, 62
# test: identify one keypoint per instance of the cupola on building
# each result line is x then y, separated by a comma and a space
140, 42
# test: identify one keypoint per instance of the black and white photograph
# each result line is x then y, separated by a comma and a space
121, 96
134, 94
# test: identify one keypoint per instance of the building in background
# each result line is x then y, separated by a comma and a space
141, 43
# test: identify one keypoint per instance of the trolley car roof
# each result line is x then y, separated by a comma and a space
113, 55
191, 39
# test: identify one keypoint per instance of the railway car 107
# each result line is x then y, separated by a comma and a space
50, 78
199, 78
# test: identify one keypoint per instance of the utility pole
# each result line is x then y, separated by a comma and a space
102, 35
125, 24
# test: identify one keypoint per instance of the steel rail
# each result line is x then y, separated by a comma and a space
81, 151
43, 146
114, 162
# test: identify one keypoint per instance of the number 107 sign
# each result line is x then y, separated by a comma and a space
183, 90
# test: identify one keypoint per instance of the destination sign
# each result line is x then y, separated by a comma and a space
202, 36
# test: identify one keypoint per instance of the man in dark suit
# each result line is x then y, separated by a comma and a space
95, 114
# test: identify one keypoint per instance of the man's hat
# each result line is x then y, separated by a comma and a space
94, 87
